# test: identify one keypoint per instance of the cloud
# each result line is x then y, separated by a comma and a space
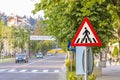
19, 7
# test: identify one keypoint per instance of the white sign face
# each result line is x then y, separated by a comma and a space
79, 60
34, 37
86, 35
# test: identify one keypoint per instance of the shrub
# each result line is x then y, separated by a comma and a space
92, 77
68, 65
73, 76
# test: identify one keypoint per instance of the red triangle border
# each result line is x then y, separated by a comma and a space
94, 33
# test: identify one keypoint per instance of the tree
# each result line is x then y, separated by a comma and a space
38, 28
1, 27
64, 17
5, 37
1, 34
42, 46
20, 37
114, 9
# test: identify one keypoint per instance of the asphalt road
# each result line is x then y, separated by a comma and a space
48, 68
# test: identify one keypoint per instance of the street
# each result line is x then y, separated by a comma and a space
48, 68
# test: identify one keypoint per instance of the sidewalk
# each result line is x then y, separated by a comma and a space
111, 72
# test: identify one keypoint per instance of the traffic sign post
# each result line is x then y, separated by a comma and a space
86, 67
80, 60
86, 36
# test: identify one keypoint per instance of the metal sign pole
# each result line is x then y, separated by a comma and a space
71, 62
85, 67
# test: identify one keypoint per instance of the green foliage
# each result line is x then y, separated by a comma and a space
64, 17
115, 52
20, 37
114, 9
64, 46
42, 46
1, 27
73, 76
92, 77
5, 33
68, 65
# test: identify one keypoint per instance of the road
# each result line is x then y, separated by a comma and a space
111, 72
48, 68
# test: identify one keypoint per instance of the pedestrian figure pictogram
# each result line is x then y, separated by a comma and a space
86, 36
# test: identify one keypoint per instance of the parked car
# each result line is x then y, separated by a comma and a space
39, 55
21, 58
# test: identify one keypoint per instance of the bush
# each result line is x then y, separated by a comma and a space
74, 77
68, 65
92, 77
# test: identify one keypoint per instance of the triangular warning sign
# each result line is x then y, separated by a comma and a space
86, 35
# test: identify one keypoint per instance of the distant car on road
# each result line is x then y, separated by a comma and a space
21, 58
49, 54
39, 55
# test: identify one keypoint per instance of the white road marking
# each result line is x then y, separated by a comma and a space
2, 70
45, 70
12, 70
27, 71
34, 71
56, 71
24, 70
36, 61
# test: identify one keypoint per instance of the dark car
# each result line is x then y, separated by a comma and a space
21, 58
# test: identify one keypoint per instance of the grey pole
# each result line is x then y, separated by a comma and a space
71, 62
85, 67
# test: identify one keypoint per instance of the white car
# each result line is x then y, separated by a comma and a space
49, 54
39, 55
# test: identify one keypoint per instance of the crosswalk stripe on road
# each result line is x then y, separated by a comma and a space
11, 70
56, 70
34, 70
24, 70
45, 70
29, 71
3, 70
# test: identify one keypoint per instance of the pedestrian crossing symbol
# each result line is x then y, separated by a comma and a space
86, 35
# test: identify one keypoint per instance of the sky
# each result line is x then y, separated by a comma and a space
19, 7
